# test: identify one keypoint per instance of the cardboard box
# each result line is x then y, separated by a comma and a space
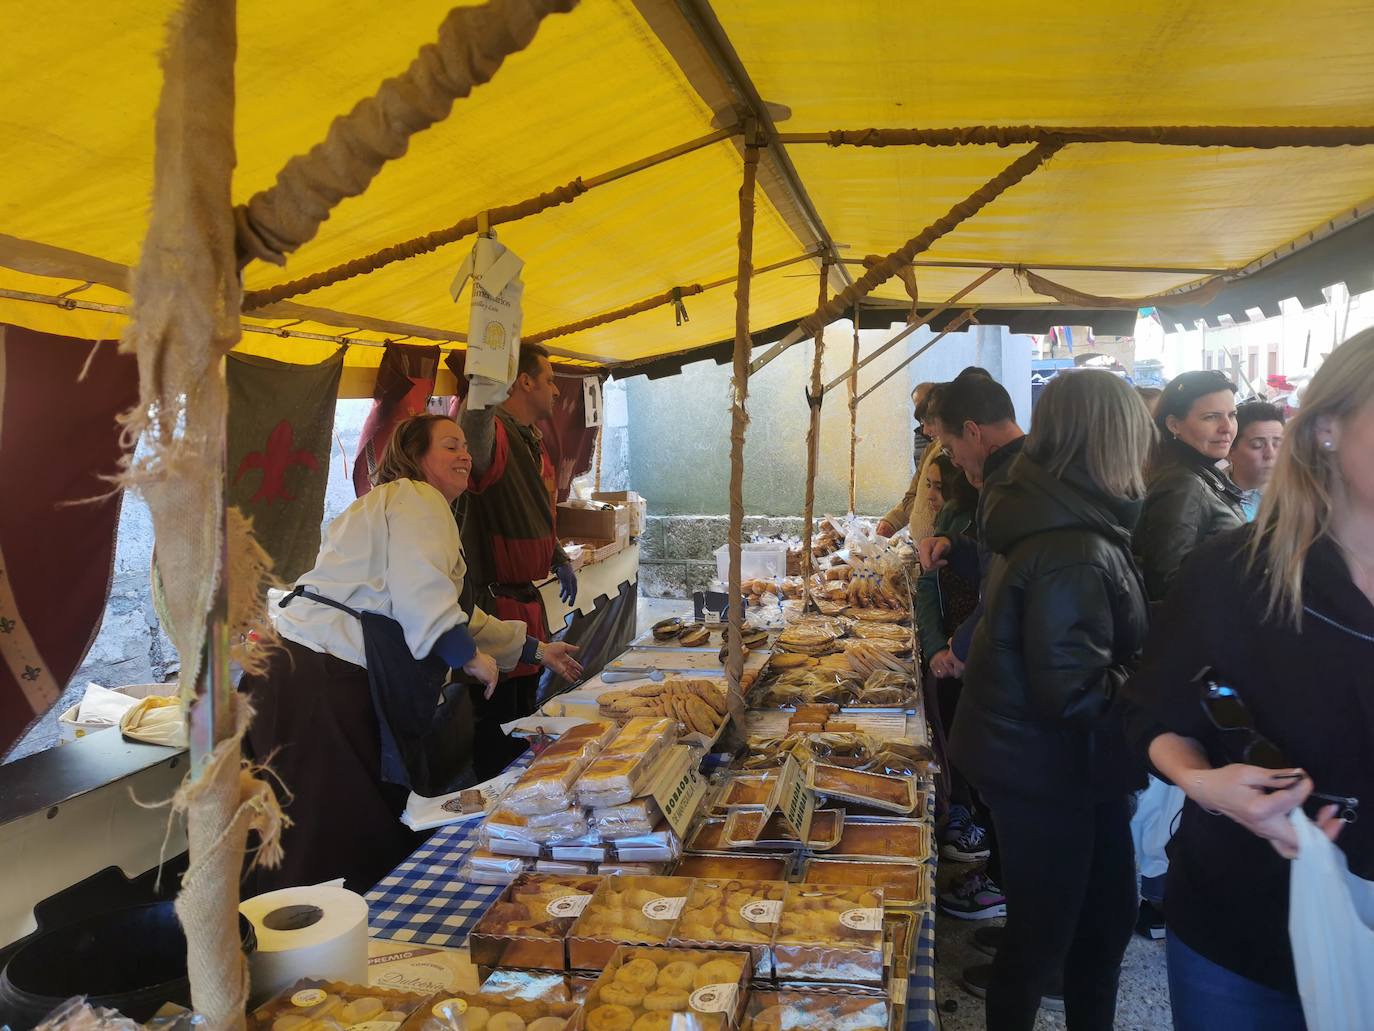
606, 523
638, 507
68, 729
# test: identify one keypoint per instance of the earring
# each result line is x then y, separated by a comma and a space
1328, 445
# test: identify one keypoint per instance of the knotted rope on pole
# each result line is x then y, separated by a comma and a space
473, 43
739, 415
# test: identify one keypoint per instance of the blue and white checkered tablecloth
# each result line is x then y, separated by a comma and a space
424, 901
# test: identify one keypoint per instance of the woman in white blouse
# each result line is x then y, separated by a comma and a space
353, 712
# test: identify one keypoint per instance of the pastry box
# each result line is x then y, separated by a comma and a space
830, 934
626, 911
527, 926
644, 989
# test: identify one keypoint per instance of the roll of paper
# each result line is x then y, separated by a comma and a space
312, 931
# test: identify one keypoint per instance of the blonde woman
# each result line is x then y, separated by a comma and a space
1278, 617
1038, 732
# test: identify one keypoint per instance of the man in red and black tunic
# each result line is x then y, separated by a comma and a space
507, 521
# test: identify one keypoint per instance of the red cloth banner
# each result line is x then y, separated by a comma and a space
58, 440
404, 383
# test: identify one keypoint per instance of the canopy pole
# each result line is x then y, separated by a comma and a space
959, 322
912, 327
853, 412
886, 268
600, 430
739, 414
1248, 136
814, 397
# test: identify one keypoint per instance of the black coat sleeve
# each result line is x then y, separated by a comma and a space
1170, 525
1068, 629
1195, 627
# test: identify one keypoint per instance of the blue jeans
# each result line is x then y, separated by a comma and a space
1208, 997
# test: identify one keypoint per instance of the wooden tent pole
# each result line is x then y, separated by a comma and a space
911, 327
853, 413
814, 397
959, 322
739, 414
1246, 136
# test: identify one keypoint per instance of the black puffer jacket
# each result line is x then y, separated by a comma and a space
1064, 615
1188, 500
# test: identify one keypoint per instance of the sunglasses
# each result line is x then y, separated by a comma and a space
1227, 712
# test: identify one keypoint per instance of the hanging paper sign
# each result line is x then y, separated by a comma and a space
494, 321
591, 400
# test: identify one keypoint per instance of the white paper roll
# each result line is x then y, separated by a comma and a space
315, 931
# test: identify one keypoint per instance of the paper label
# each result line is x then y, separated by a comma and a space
308, 997
862, 919
796, 801
664, 908
568, 905
715, 998
762, 911
678, 788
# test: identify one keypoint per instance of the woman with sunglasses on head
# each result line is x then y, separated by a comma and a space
1278, 617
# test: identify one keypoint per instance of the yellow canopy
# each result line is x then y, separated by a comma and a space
606, 86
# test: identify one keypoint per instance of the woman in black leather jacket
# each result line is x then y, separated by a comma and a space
1189, 498
1037, 731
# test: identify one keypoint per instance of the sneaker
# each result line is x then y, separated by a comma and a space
988, 940
960, 816
975, 981
976, 897
1149, 922
968, 846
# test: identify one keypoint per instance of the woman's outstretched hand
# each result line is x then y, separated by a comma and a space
559, 658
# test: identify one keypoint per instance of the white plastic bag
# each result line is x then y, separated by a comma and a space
1153, 825
1331, 927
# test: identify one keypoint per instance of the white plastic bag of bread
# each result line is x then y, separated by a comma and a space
622, 769
314, 1005
547, 829
546, 786
481, 1012
644, 989
626, 911
830, 933
803, 1011
638, 816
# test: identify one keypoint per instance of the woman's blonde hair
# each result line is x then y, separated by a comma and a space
1095, 418
408, 444
1296, 510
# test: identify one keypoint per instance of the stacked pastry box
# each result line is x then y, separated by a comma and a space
807, 938
601, 799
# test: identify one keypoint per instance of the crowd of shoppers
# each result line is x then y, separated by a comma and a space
1186, 592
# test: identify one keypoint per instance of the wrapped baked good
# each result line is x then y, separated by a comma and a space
890, 794
731, 913
809, 1011
644, 989
904, 885
742, 830
658, 846
311, 1003
639, 816
882, 839
482, 1012
525, 928
626, 911
622, 770
485, 867
545, 829
748, 791
830, 934
528, 985
732, 865
547, 785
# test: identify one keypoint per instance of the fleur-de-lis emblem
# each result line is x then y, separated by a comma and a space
31, 672
6, 625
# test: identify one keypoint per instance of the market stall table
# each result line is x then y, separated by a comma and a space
421, 901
